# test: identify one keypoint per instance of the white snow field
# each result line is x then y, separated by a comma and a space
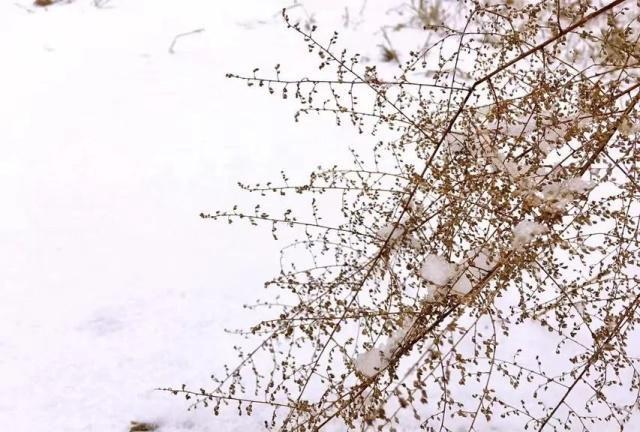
110, 147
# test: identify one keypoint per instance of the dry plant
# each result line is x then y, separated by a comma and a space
502, 200
45, 3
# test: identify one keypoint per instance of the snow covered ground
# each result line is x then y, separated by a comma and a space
110, 147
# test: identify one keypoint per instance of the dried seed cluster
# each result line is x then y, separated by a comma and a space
502, 202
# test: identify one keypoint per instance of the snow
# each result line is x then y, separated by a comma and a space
564, 188
627, 128
371, 362
440, 272
482, 261
396, 232
577, 185
462, 285
467, 274
558, 195
510, 167
437, 270
110, 284
525, 231
390, 232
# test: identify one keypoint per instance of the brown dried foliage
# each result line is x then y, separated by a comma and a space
499, 122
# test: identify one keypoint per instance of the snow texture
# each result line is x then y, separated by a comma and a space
396, 234
560, 194
462, 285
371, 362
388, 231
525, 232
110, 284
437, 270
482, 262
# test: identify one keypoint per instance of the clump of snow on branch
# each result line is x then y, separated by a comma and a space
376, 359
556, 194
525, 232
478, 265
369, 363
553, 197
390, 232
395, 232
560, 194
441, 273
462, 284
500, 162
437, 270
